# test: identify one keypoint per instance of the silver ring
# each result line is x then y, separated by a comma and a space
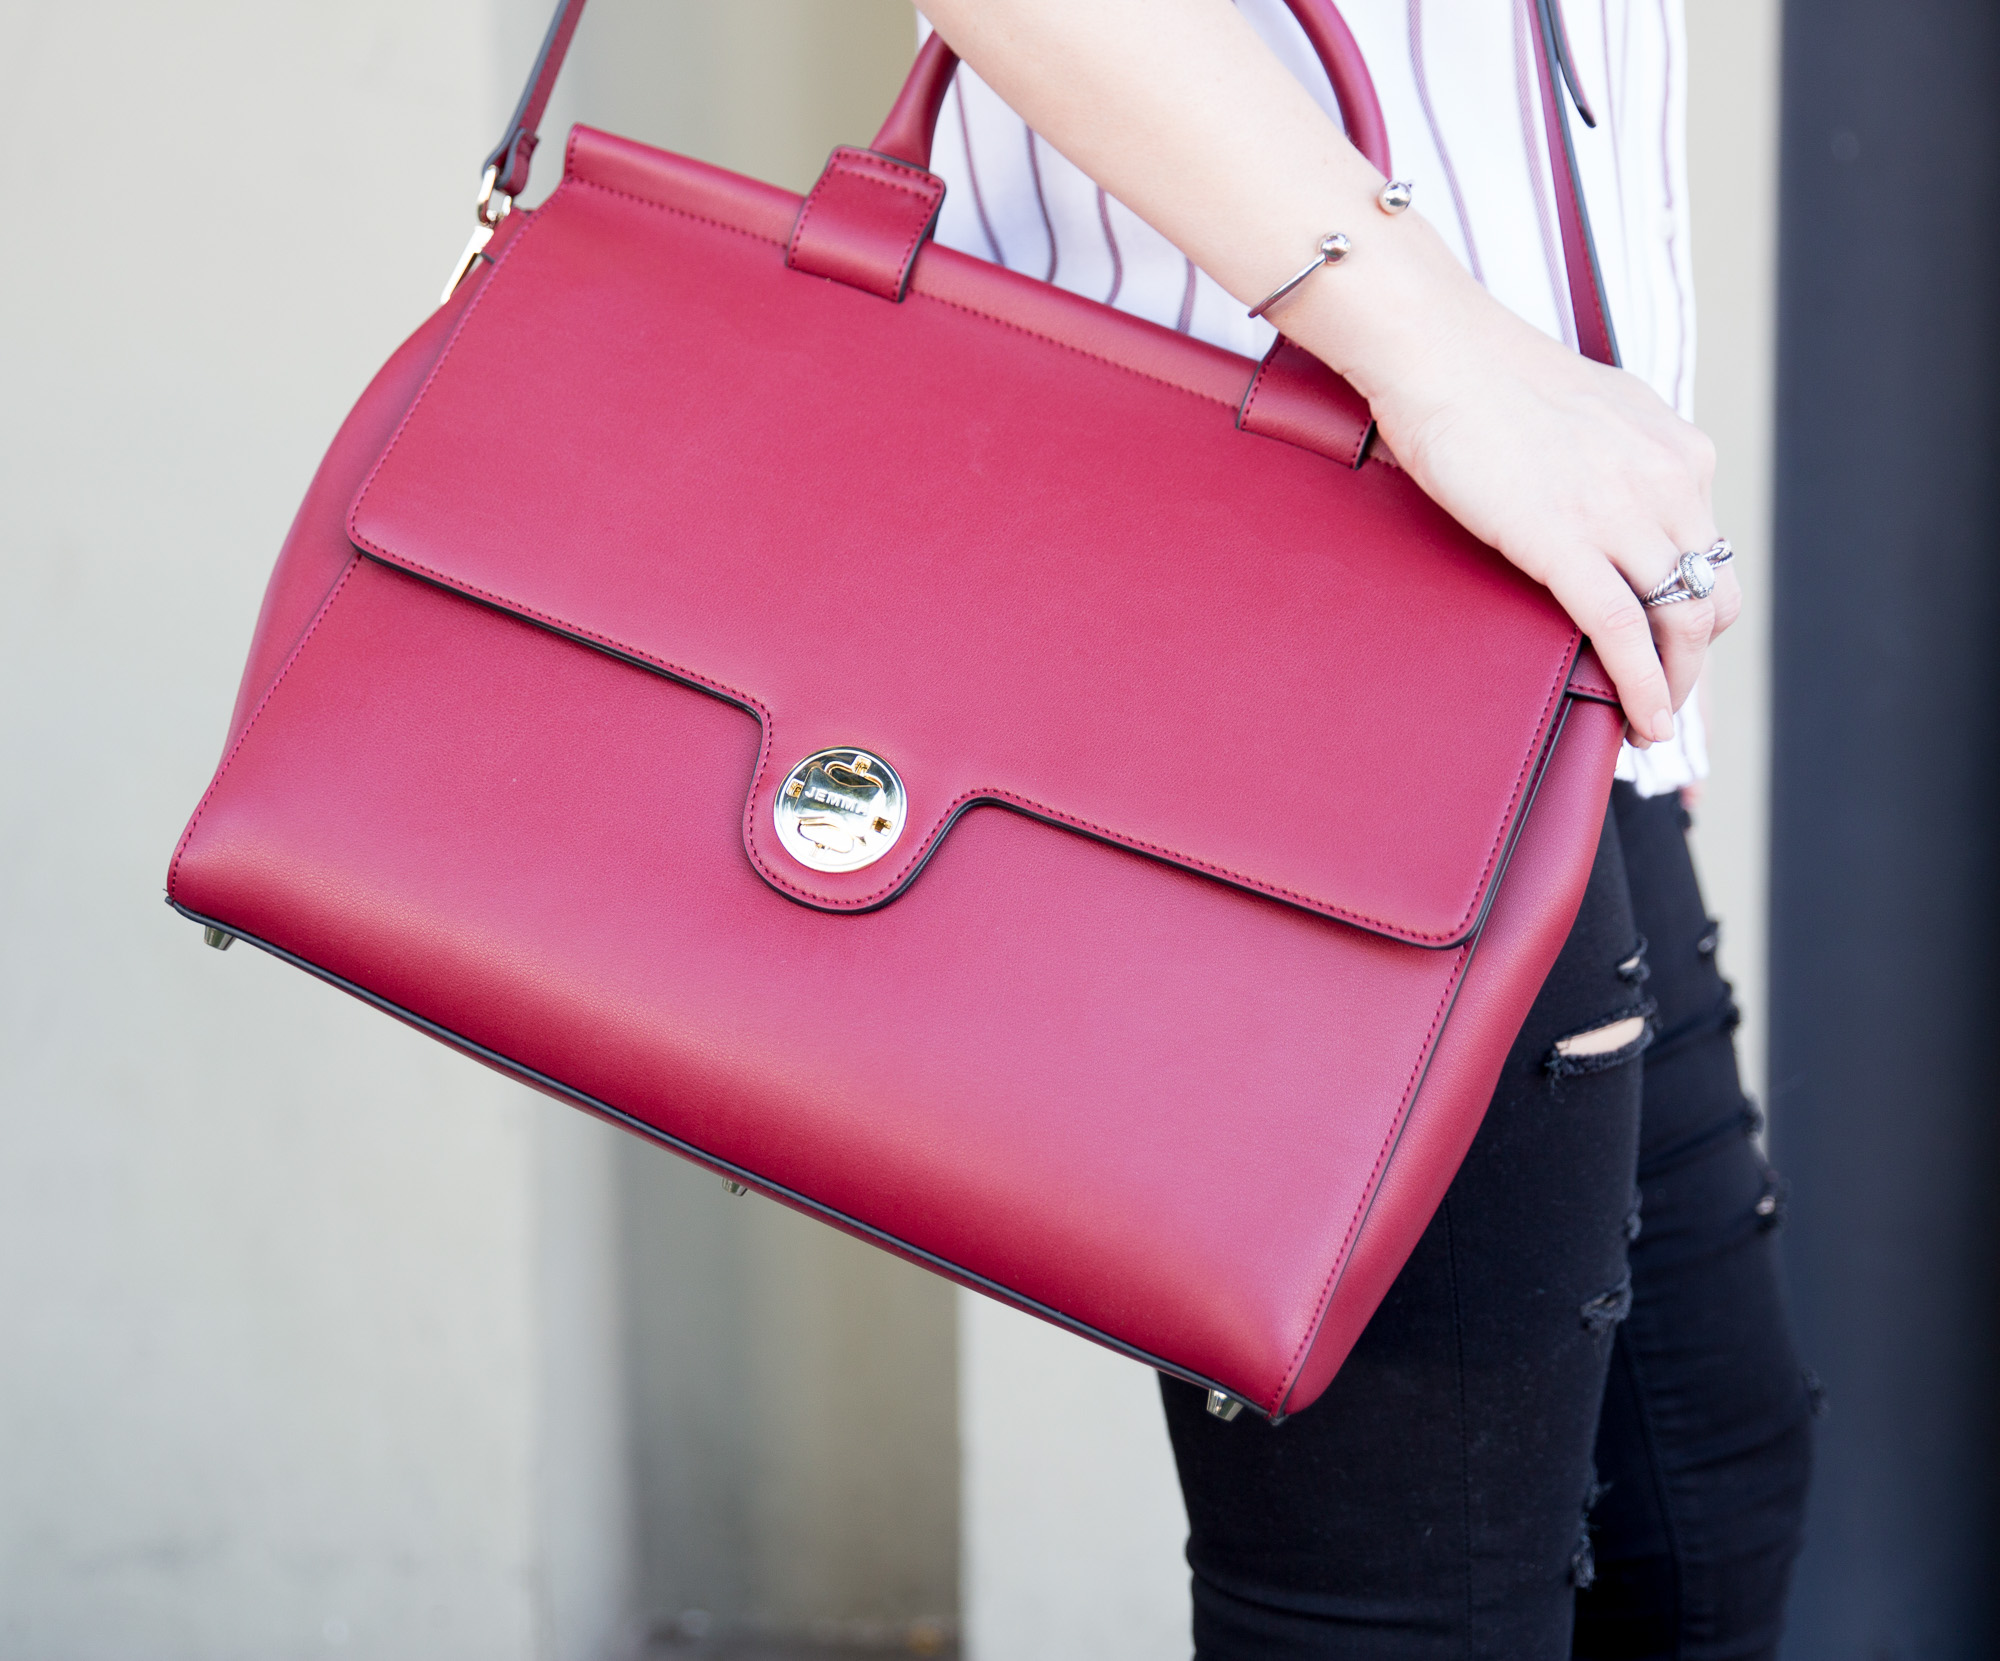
1693, 576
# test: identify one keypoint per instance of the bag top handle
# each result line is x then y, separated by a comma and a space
906, 134
908, 131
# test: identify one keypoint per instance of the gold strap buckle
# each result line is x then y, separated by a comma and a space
492, 206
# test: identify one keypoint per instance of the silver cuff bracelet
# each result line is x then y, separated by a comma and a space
1333, 249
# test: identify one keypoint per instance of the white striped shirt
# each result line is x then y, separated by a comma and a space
1456, 79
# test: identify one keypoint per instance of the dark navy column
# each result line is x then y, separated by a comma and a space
1886, 1003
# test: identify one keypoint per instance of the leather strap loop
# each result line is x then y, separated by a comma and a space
1296, 398
865, 221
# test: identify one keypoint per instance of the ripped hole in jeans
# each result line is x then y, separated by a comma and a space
1611, 1043
1616, 1035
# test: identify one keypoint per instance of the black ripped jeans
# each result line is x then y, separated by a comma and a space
1577, 1426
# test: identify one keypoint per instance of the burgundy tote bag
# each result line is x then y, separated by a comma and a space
1022, 785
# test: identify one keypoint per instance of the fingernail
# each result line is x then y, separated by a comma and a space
1663, 727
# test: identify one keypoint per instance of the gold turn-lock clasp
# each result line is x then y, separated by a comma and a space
839, 810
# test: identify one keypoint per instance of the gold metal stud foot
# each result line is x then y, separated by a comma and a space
1223, 1405
220, 939
734, 1187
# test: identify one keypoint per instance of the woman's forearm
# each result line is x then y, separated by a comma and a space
1182, 113
1579, 474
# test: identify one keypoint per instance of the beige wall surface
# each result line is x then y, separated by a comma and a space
766, 87
297, 1305
1733, 188
794, 1413
1074, 1525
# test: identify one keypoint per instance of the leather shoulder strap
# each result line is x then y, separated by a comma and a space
1595, 337
511, 157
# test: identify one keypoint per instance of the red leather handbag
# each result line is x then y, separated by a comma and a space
1002, 777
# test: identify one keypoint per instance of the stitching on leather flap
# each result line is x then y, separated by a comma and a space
1449, 936
910, 866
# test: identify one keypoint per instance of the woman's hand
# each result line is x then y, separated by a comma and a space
1577, 473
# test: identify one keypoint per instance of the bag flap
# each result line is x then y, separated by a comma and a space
1003, 537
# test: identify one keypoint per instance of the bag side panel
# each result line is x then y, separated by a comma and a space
1530, 918
316, 549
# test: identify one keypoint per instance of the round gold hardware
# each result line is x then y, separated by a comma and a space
839, 810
